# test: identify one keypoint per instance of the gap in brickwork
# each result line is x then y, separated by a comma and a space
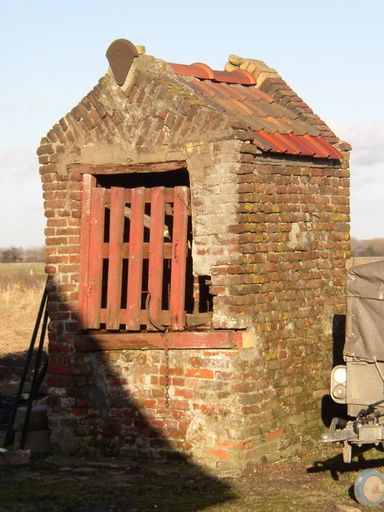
178, 178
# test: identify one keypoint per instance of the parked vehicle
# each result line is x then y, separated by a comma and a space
359, 383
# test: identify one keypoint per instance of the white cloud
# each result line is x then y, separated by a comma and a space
367, 176
17, 162
21, 205
367, 141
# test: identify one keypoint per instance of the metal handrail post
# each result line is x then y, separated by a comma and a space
33, 390
9, 434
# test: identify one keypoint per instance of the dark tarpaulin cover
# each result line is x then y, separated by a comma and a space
365, 312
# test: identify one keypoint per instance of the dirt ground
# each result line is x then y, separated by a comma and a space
317, 481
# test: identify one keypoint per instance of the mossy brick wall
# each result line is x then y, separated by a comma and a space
115, 402
272, 233
293, 224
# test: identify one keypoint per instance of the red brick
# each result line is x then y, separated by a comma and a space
217, 453
274, 434
186, 393
201, 373
59, 369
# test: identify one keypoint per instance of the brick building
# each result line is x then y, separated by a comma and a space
197, 233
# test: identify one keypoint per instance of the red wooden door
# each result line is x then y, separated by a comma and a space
134, 249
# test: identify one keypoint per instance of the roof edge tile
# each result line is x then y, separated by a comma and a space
204, 72
313, 146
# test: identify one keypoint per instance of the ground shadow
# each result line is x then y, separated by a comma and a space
11, 369
336, 466
70, 484
105, 416
338, 338
329, 408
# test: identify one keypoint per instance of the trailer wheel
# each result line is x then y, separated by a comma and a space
369, 487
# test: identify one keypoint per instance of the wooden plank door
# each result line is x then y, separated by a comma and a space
134, 249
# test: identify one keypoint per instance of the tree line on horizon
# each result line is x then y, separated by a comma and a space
371, 247
22, 255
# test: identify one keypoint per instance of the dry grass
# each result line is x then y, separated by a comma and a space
21, 288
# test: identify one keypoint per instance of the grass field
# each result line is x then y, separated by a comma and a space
21, 288
21, 269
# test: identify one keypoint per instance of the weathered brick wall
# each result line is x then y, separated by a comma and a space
107, 127
117, 404
293, 222
273, 235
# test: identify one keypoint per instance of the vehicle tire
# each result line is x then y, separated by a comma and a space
369, 487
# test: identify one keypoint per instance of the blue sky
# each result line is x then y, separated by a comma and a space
52, 52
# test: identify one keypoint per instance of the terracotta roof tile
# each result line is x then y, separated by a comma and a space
203, 71
287, 126
293, 146
261, 142
242, 106
231, 91
235, 77
207, 89
278, 89
324, 148
304, 145
277, 146
268, 81
193, 70
256, 95
249, 95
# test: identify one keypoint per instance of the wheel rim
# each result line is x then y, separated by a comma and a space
369, 487
372, 487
